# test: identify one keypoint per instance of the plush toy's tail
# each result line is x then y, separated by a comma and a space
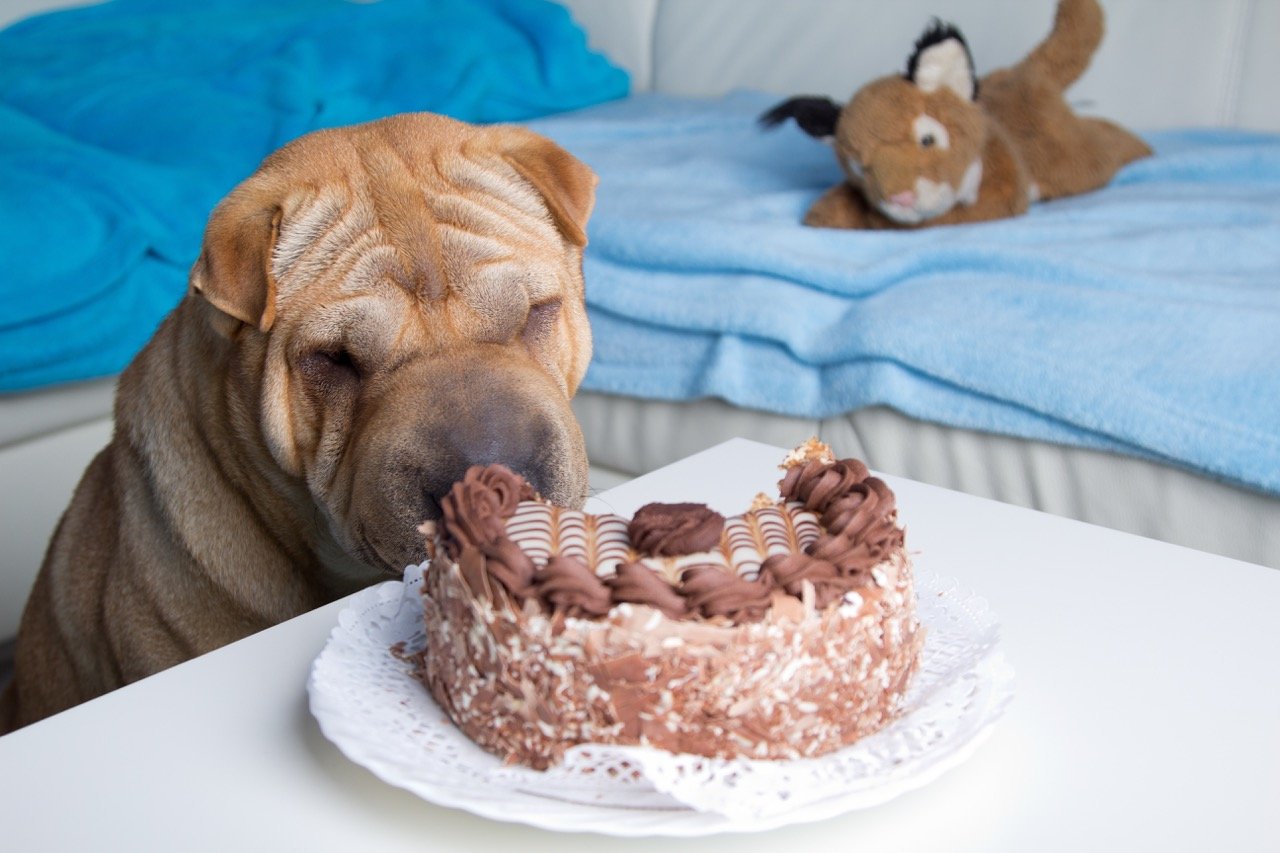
1065, 54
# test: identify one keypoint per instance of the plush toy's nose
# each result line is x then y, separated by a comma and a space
906, 198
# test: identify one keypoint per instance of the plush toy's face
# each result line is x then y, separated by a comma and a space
913, 154
913, 144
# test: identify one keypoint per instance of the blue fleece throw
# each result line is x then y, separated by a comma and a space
121, 126
1142, 318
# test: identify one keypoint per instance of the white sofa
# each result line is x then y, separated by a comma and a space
1184, 64
1164, 64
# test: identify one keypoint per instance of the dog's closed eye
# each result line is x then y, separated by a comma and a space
329, 367
541, 324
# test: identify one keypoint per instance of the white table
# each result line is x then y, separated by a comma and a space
1147, 715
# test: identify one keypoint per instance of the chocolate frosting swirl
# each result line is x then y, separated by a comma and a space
474, 515
713, 591
568, 585
665, 530
863, 506
638, 584
476, 509
508, 487
858, 513
816, 484
789, 571
855, 559
509, 565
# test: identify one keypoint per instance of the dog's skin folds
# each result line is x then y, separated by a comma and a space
374, 310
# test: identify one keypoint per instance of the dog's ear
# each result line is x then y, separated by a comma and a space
566, 183
942, 59
233, 272
814, 115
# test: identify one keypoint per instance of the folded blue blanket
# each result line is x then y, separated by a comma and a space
121, 125
1143, 318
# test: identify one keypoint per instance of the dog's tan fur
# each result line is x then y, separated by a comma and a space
1016, 143
373, 310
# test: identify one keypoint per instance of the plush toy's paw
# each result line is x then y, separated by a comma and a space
1115, 143
839, 207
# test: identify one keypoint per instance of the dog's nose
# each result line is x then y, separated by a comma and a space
520, 445
500, 429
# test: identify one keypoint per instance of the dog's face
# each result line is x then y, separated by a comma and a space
404, 299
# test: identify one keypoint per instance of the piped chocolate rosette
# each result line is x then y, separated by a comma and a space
786, 631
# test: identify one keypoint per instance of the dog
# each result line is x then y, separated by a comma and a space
373, 311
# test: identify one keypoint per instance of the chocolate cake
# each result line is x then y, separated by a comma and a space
789, 630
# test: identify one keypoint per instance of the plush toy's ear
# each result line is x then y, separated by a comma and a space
942, 58
815, 116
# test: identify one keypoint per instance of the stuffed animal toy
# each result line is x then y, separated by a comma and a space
937, 146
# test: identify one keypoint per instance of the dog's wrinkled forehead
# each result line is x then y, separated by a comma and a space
453, 227
482, 228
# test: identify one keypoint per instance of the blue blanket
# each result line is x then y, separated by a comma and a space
1143, 318
121, 125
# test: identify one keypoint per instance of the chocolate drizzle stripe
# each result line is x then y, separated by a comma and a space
545, 531
740, 538
806, 526
612, 545
776, 532
765, 532
571, 535
531, 527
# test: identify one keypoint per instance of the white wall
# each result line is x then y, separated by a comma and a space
1164, 63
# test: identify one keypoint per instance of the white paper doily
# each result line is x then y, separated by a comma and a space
370, 706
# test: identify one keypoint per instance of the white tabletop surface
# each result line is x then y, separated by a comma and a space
1147, 715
